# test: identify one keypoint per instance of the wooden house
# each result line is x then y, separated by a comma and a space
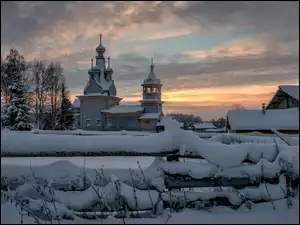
285, 97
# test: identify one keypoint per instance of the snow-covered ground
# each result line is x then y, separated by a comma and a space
260, 213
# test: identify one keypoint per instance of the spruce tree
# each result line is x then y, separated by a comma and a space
17, 114
66, 117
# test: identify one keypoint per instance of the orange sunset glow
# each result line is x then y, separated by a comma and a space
208, 56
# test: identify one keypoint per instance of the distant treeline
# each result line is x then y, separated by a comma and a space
190, 118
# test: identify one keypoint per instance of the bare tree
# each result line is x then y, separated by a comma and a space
238, 106
56, 79
41, 80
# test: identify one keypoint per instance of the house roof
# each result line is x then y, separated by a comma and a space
204, 126
279, 119
123, 109
150, 116
292, 90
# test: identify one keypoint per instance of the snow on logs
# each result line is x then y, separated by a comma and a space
64, 175
28, 144
161, 144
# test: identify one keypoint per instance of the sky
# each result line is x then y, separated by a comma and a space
209, 55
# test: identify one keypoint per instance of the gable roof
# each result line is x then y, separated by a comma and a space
150, 116
279, 119
291, 90
123, 109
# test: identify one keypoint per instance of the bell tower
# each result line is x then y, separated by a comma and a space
152, 93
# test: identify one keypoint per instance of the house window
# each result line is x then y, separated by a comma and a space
109, 122
88, 123
98, 122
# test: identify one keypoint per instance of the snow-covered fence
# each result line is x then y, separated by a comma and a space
69, 187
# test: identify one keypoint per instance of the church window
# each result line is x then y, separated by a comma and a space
109, 122
98, 122
87, 122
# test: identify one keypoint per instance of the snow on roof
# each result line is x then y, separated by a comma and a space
124, 109
204, 126
76, 103
166, 120
279, 119
292, 90
150, 116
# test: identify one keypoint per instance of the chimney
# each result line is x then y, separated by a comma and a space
264, 108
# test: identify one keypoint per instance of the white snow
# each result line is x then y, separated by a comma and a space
279, 119
124, 109
227, 155
180, 196
266, 191
195, 170
260, 213
29, 143
171, 139
204, 126
242, 138
65, 174
86, 132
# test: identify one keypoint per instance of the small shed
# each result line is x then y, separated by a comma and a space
203, 127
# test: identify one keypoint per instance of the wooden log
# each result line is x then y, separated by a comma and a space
173, 183
173, 154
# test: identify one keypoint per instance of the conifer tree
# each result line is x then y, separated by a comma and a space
17, 112
66, 117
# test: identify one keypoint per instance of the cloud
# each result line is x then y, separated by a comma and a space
267, 55
163, 34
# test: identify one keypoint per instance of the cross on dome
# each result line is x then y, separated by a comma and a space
100, 48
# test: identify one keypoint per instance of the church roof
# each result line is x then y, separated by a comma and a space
150, 116
151, 79
96, 67
124, 109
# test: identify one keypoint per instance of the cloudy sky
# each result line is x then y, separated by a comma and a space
209, 55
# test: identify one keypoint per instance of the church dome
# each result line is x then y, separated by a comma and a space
100, 49
94, 68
